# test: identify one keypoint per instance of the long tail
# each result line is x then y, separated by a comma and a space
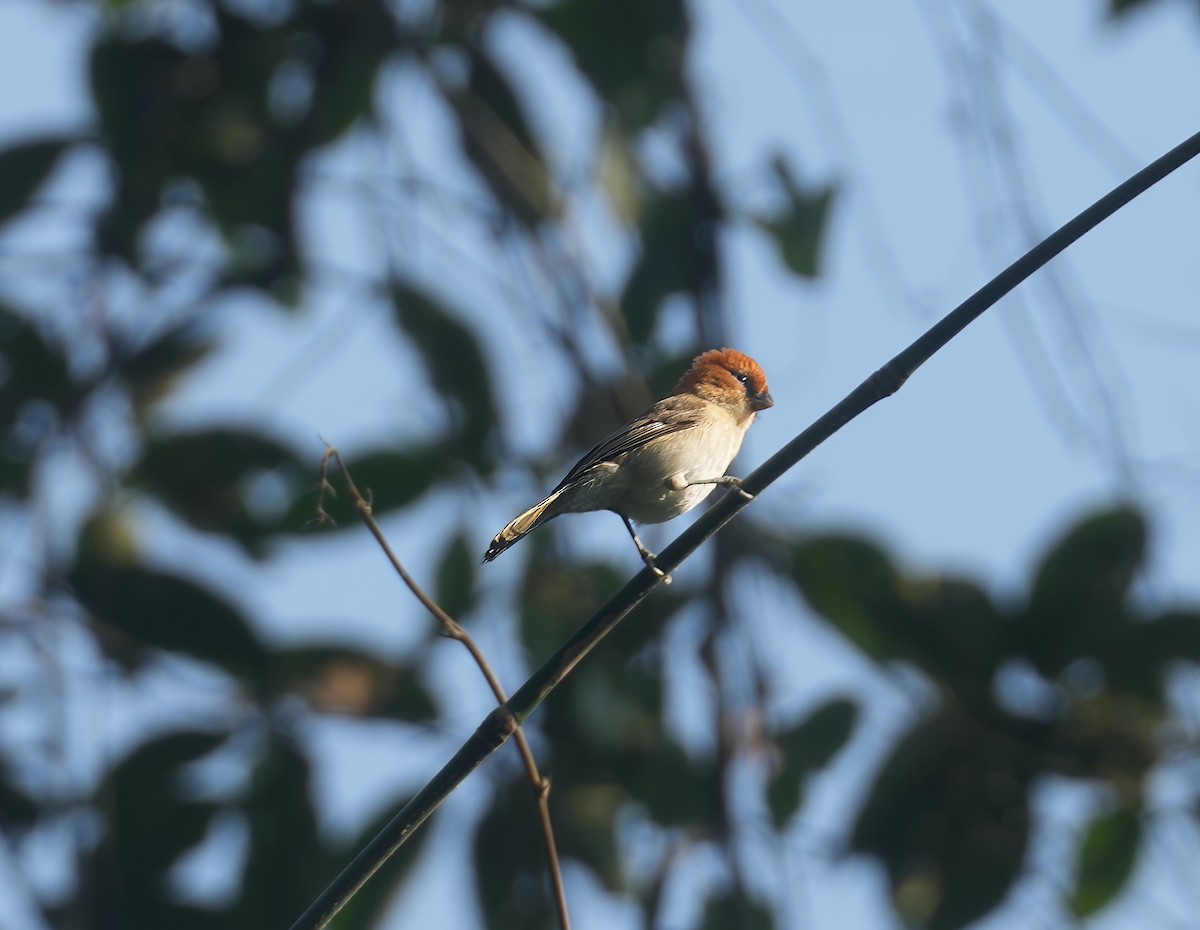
530, 520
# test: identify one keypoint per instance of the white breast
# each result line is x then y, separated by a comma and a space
652, 472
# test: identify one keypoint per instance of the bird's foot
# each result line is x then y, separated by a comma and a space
666, 579
736, 484
649, 558
678, 483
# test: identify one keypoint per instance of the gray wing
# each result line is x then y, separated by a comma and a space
670, 415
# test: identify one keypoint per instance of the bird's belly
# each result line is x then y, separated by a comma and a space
658, 506
656, 472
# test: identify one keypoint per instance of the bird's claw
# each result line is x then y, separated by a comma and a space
736, 485
653, 566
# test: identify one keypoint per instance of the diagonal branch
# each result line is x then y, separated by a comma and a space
454, 630
503, 721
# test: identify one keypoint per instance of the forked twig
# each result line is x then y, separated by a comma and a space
454, 630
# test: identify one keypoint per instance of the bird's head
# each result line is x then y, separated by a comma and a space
729, 378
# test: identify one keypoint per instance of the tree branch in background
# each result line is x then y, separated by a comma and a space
505, 720
454, 630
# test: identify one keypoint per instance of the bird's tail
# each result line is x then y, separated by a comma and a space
532, 518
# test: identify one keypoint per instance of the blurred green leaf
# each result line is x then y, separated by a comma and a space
1108, 735
454, 590
510, 861
336, 679
164, 611
236, 483
948, 817
852, 584
151, 822
214, 117
1077, 606
149, 371
585, 808
23, 168
632, 52
666, 264
225, 139
734, 910
37, 392
1119, 8
15, 469
610, 715
1106, 859
457, 368
807, 747
609, 751
155, 766
956, 634
134, 83
19, 810
643, 631
285, 861
408, 699
356, 39
1174, 636
798, 230
496, 138
785, 793
166, 114
813, 742
1096, 561
32, 368
675, 789
555, 596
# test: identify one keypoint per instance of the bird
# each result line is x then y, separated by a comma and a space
666, 460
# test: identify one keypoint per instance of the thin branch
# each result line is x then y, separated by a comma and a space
504, 720
454, 630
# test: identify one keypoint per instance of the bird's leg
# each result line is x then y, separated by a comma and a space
678, 483
647, 556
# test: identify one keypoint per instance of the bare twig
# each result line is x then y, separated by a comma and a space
454, 630
504, 720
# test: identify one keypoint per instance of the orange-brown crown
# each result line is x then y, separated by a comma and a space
723, 374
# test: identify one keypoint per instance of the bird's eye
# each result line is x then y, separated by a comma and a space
741, 376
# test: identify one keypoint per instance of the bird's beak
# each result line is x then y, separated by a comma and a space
761, 401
